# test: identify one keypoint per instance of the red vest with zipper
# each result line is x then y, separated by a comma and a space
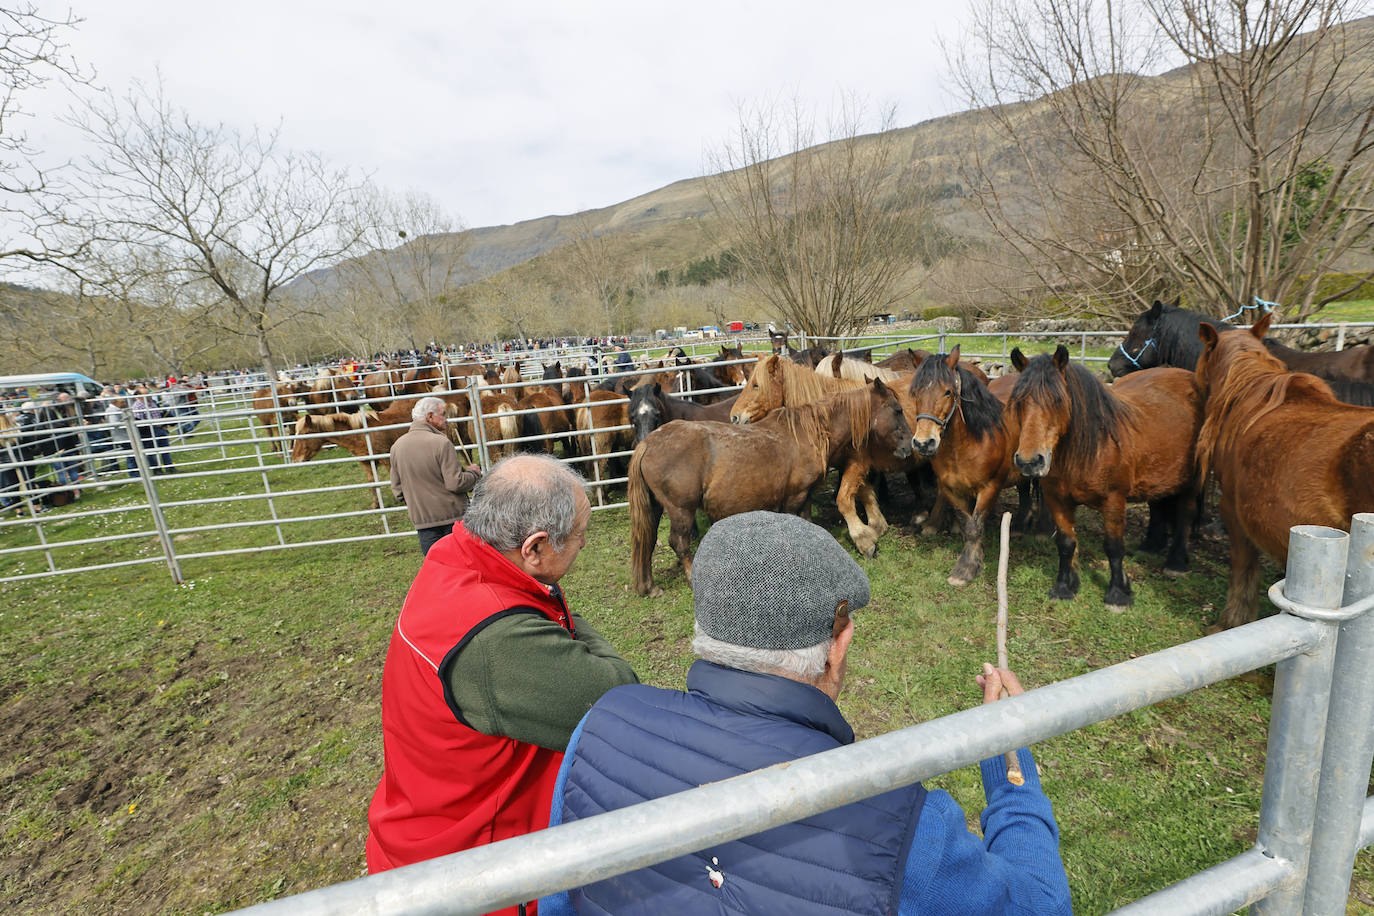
445, 786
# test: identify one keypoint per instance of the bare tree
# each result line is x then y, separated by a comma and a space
591, 263
223, 211
825, 233
414, 261
31, 52
1244, 173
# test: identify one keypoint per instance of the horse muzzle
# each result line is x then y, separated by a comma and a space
926, 447
1037, 465
739, 419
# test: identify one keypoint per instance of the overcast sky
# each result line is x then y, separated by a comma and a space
505, 111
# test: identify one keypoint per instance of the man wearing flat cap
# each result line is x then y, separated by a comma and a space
773, 595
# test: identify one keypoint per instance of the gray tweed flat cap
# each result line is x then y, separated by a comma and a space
771, 581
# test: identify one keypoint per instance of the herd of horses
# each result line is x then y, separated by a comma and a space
1285, 434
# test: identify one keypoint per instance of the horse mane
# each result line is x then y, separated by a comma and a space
1248, 382
1094, 414
800, 385
810, 423
1175, 336
982, 411
1349, 391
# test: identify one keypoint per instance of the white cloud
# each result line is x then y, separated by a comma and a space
509, 111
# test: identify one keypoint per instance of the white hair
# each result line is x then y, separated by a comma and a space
426, 406
807, 663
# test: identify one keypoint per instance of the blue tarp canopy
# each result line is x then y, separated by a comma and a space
75, 381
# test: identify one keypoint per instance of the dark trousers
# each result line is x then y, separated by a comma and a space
430, 536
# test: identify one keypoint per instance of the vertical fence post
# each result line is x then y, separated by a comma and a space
150, 490
1340, 337
479, 432
1297, 725
1350, 738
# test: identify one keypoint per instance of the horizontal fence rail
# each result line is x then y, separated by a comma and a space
1303, 640
233, 489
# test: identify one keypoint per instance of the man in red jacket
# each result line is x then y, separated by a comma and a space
488, 673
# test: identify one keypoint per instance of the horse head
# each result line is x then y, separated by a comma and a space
888, 428
1041, 403
935, 390
762, 391
647, 410
306, 446
1140, 349
1220, 348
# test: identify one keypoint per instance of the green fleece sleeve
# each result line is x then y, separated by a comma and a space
524, 678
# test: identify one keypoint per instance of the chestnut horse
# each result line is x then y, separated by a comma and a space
273, 417
1285, 450
724, 469
778, 382
961, 427
360, 433
1102, 448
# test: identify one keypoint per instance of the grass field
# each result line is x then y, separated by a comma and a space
193, 748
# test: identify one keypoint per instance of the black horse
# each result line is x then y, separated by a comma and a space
1163, 335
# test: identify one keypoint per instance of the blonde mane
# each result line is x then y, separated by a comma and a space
809, 424
837, 365
799, 385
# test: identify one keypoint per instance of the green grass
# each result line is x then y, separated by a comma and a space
195, 748
1357, 310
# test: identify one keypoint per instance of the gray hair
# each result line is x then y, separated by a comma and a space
426, 406
521, 495
807, 663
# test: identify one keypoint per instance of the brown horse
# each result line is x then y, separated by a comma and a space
1103, 448
1285, 450
552, 417
777, 382
724, 469
970, 440
290, 396
1354, 364
361, 433
603, 425
333, 390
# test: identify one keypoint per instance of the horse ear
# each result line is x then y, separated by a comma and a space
1207, 333
1177, 300
1156, 310
1061, 357
658, 390
952, 360
1261, 327
879, 387
1018, 359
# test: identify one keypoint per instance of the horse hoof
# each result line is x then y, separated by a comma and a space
959, 581
1062, 593
1118, 608
1175, 573
655, 592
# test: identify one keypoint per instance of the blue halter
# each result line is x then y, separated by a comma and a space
1259, 304
1135, 360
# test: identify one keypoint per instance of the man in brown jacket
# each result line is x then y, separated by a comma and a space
427, 476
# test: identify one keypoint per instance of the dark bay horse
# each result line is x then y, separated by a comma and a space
970, 440
1285, 450
724, 469
652, 407
1162, 335
1166, 335
1102, 448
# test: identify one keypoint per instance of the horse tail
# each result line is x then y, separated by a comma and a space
644, 515
508, 422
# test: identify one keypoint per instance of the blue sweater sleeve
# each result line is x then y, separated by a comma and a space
1014, 869
560, 904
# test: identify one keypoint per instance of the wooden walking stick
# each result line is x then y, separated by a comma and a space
1014, 774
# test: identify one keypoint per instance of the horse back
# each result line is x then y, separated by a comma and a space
1159, 437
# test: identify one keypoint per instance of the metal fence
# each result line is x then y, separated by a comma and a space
233, 489
1313, 816
230, 486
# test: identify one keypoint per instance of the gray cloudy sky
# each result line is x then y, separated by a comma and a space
506, 111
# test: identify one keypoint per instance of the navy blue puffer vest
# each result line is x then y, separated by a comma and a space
640, 743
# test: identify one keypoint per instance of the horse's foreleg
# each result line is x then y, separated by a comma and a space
1066, 582
970, 564
872, 512
369, 471
1157, 531
1178, 511
1242, 602
1118, 595
864, 537
1025, 506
